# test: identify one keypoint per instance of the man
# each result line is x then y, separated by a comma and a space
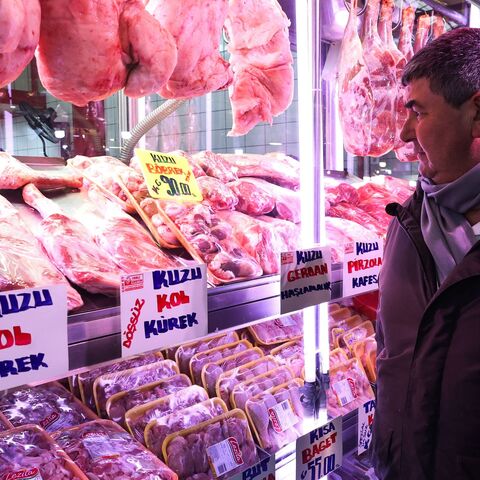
427, 423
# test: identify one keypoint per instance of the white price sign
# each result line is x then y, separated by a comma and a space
263, 470
320, 452
33, 335
366, 414
361, 266
161, 308
305, 278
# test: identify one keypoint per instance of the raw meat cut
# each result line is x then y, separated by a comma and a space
216, 194
15, 174
50, 406
261, 60
355, 95
356, 334
359, 216
4, 423
337, 357
381, 68
30, 450
71, 248
438, 27
79, 63
286, 231
196, 29
23, 263
149, 206
214, 165
366, 352
291, 355
19, 34
399, 188
283, 329
105, 451
423, 32
342, 192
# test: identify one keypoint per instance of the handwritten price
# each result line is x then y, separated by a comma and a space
175, 188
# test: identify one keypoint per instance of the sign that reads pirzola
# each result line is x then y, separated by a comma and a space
305, 278
162, 308
168, 177
33, 335
366, 414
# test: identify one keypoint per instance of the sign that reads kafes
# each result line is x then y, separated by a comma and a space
305, 278
33, 335
366, 414
162, 308
361, 266
320, 452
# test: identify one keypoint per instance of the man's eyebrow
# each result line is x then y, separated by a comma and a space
412, 103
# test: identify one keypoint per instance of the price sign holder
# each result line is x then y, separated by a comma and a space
366, 415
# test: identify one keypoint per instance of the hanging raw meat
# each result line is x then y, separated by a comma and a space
355, 96
196, 28
71, 248
422, 33
19, 33
23, 263
79, 62
261, 60
438, 27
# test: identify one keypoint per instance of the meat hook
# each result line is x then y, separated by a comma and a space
362, 10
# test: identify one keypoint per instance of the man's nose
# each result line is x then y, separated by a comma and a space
408, 131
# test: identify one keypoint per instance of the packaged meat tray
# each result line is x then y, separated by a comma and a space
227, 380
139, 417
87, 379
256, 385
276, 415
105, 451
291, 355
349, 388
50, 406
217, 448
4, 423
366, 352
119, 403
199, 360
157, 430
110, 383
212, 371
337, 330
29, 452
337, 357
186, 351
356, 334
283, 329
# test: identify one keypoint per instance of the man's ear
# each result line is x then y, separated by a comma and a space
476, 119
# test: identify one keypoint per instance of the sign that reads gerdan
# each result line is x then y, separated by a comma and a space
361, 266
161, 308
168, 176
305, 278
366, 414
320, 452
33, 335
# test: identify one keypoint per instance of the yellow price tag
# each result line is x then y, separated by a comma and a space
168, 177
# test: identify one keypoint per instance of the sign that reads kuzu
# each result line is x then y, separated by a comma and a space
168, 177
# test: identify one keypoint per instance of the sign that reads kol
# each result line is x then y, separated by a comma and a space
366, 414
33, 335
361, 266
305, 278
161, 308
320, 452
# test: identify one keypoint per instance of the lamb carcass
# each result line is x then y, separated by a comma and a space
196, 28
19, 34
79, 62
423, 32
71, 248
438, 27
261, 60
23, 263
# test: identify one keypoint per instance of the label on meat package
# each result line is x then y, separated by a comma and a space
100, 447
282, 417
54, 421
26, 474
224, 456
345, 390
287, 321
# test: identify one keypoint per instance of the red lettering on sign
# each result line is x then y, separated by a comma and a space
310, 453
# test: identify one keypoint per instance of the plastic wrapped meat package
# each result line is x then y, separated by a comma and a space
216, 194
283, 329
105, 451
87, 379
4, 423
339, 328
337, 357
186, 351
158, 429
111, 383
226, 381
212, 371
49, 406
276, 415
119, 403
349, 388
215, 166
139, 417
215, 449
291, 355
256, 385
366, 352
350, 338
29, 451
200, 359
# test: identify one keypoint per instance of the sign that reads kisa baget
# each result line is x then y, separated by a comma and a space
305, 278
366, 414
33, 335
361, 266
320, 452
263, 470
161, 308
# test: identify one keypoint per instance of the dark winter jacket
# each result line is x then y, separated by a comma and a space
427, 422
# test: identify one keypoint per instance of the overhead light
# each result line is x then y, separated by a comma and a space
125, 135
275, 144
238, 151
382, 164
59, 133
13, 107
112, 139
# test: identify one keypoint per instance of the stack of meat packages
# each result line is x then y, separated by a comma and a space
199, 414
171, 49
371, 96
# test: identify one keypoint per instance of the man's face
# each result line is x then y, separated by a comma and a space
441, 134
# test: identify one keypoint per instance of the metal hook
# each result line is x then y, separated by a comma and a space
399, 16
225, 36
362, 10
